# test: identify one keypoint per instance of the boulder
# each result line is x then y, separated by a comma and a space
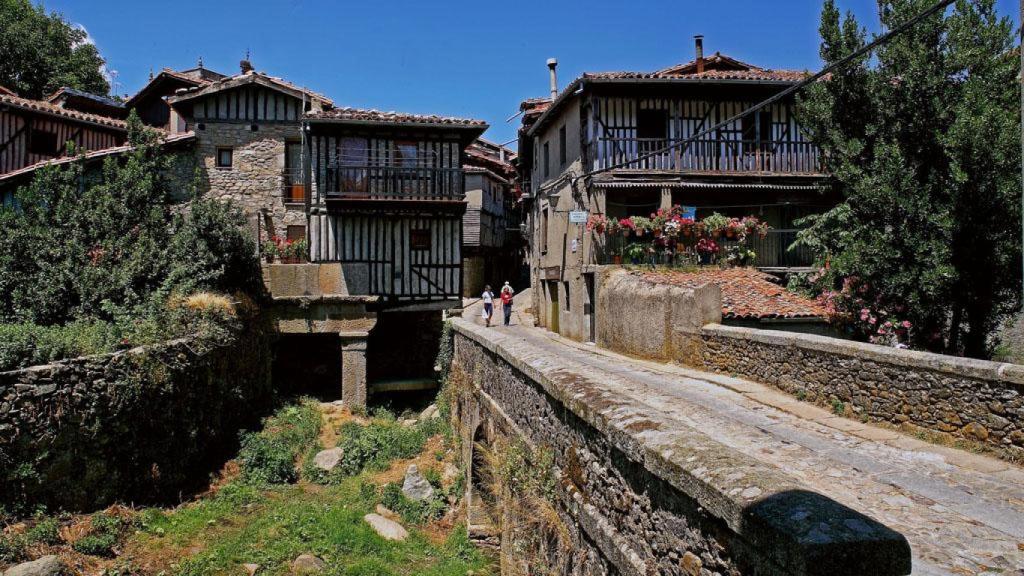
450, 473
430, 413
308, 564
45, 566
386, 529
251, 569
415, 487
327, 460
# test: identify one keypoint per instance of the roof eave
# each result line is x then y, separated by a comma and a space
478, 128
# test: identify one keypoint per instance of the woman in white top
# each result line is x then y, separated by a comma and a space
488, 299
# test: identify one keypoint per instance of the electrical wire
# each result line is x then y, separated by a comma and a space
942, 5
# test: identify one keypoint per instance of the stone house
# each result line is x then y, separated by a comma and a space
607, 144
491, 239
249, 143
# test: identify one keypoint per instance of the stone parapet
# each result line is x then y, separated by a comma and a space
650, 495
974, 399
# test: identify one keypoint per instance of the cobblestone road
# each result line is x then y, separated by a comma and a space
962, 513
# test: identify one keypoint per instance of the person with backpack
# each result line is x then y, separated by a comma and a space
506, 302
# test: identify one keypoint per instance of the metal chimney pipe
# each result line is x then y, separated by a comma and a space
552, 64
698, 40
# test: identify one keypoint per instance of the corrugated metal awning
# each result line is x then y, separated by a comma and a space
706, 185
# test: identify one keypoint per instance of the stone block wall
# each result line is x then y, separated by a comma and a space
255, 181
143, 425
640, 496
650, 320
963, 397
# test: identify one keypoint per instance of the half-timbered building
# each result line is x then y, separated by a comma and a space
491, 238
248, 142
620, 144
34, 131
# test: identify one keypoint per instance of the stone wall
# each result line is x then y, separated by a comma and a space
651, 320
255, 181
143, 425
641, 496
962, 397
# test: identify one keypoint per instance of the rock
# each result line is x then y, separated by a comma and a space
251, 569
976, 431
415, 487
430, 413
450, 473
308, 564
45, 566
386, 529
385, 512
691, 564
327, 460
408, 423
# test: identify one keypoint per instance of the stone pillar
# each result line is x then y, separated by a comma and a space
666, 199
353, 368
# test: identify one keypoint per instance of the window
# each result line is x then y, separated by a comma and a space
224, 157
547, 161
757, 129
419, 239
652, 124
544, 232
296, 233
294, 187
567, 306
42, 142
561, 146
405, 154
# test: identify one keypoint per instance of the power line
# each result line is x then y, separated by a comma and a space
942, 5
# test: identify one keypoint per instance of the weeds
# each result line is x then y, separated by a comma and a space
374, 446
269, 456
838, 407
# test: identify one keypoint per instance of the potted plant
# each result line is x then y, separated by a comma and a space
597, 223
715, 224
707, 248
636, 252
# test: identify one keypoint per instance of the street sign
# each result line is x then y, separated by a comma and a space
578, 217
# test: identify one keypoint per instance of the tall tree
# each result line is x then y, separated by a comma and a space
41, 53
923, 142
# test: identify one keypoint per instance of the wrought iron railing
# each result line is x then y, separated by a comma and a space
392, 183
707, 155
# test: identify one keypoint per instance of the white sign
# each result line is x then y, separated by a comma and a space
578, 217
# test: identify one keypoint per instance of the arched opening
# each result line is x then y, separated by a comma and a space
481, 500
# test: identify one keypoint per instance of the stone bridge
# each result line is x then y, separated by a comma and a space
660, 469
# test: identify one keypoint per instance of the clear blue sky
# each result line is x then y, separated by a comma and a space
475, 59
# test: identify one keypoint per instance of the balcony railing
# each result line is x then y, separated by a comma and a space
393, 183
772, 251
708, 155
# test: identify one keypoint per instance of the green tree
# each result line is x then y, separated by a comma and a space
41, 53
923, 143
111, 244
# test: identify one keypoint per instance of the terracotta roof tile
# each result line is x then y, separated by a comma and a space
378, 116
746, 293
47, 108
716, 67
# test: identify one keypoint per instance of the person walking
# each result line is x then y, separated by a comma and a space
488, 298
506, 302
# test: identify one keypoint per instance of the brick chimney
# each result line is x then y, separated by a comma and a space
698, 41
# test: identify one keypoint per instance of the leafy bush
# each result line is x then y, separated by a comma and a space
106, 531
270, 455
45, 531
374, 446
24, 345
13, 548
412, 511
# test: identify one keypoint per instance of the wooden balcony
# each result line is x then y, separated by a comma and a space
391, 183
707, 156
